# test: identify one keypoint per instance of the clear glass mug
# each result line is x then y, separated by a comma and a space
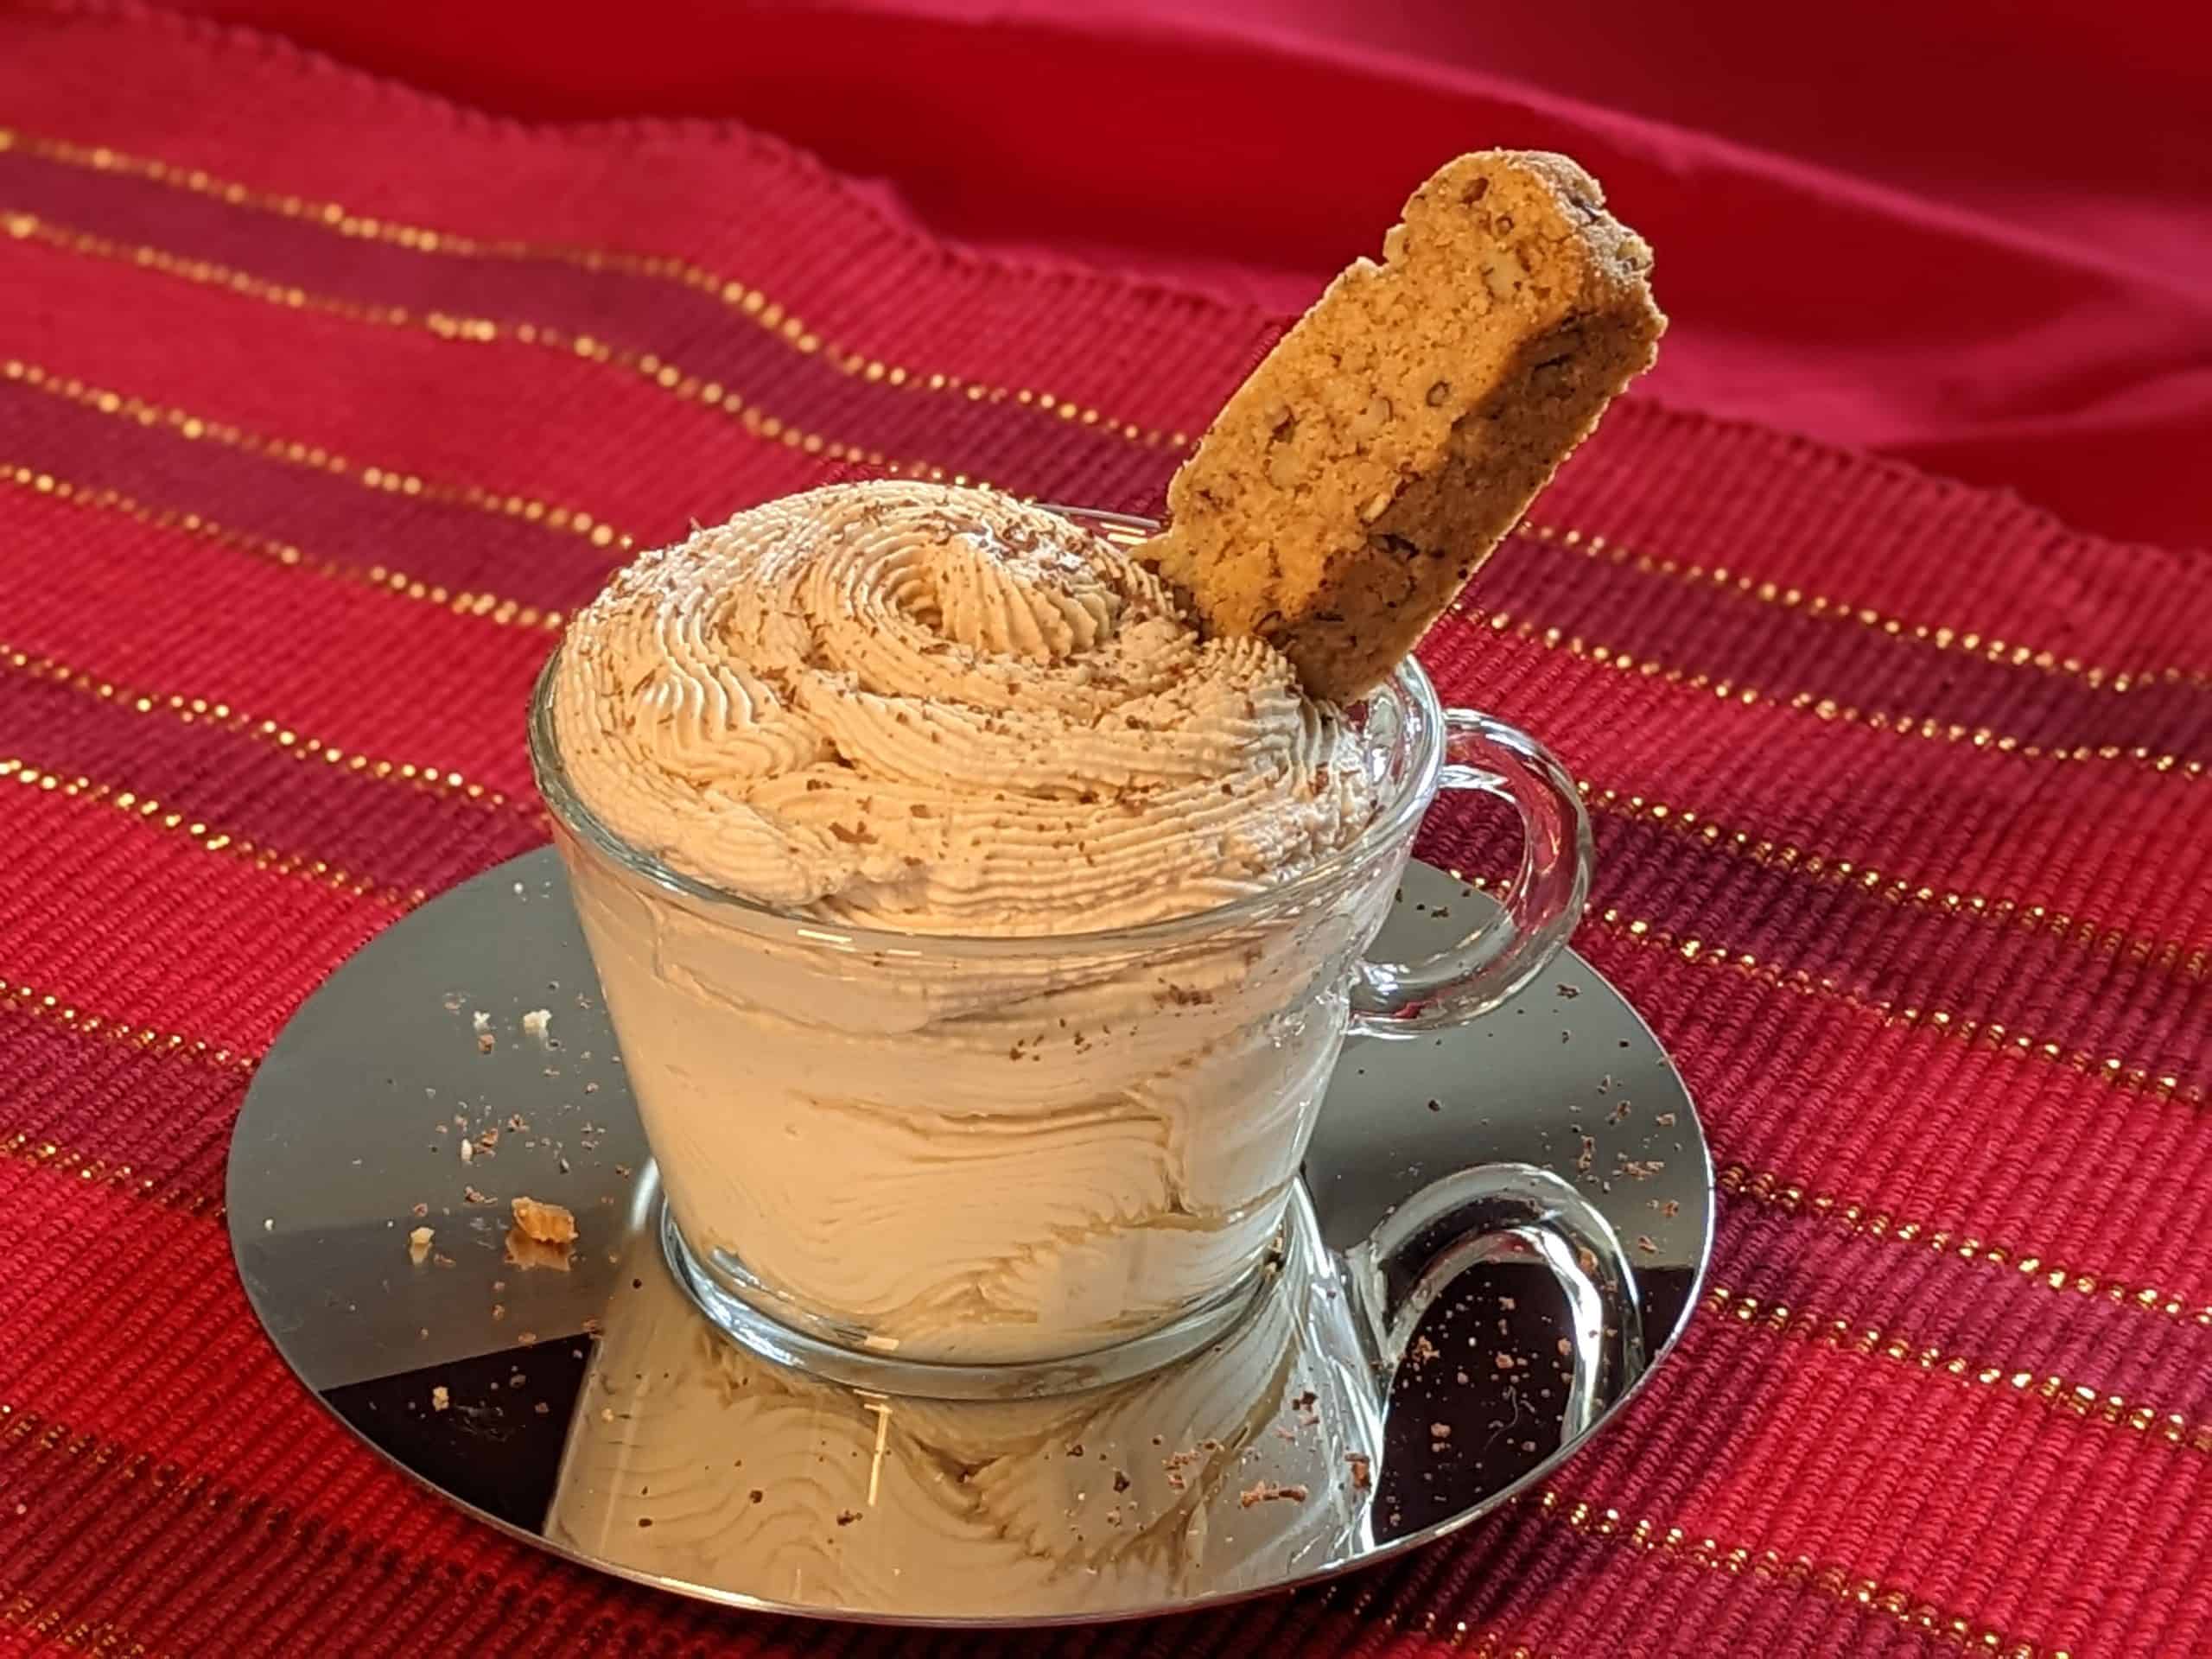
969, 1166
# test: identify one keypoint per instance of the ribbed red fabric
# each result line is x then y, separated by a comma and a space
321, 402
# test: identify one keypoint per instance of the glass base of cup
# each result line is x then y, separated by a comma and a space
732, 1300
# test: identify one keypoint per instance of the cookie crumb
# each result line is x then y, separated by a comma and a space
440, 1399
1268, 1492
418, 1245
549, 1223
1363, 1470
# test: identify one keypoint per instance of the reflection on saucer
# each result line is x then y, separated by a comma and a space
691, 1458
319, 1198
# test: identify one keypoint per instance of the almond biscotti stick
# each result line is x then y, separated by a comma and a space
1370, 465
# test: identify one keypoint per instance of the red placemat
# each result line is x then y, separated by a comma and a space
320, 401
1984, 251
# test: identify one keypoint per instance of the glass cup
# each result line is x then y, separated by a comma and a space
997, 1167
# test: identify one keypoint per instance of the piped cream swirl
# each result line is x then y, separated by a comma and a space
942, 710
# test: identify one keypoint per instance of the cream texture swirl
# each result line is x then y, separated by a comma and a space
692, 1459
942, 710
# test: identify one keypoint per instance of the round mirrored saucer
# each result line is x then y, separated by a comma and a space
1501, 1230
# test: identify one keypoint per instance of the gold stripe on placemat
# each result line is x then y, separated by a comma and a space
647, 365
144, 809
1994, 1035
773, 315
391, 480
1834, 1581
49, 1623
490, 606
1788, 1197
27, 1145
1965, 640
441, 781
53, 1005
2067, 1399
1827, 868
1902, 722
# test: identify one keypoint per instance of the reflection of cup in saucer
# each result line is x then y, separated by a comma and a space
691, 1459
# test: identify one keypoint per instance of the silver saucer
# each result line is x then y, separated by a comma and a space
1503, 1231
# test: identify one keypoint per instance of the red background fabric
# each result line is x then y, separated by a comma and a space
1977, 239
321, 399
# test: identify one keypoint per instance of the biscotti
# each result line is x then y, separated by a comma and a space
1355, 482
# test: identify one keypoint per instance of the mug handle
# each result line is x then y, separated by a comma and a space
1539, 907
1504, 1212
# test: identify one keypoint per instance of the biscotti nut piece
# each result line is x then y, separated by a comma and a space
1363, 473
